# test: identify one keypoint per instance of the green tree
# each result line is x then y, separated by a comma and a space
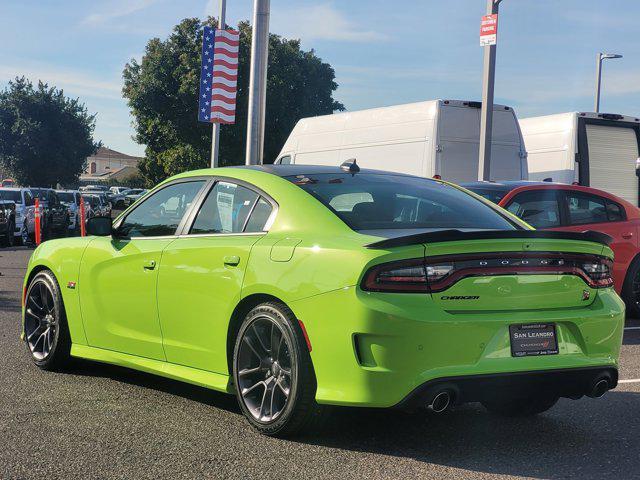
45, 137
162, 92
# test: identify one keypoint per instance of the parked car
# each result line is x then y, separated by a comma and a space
92, 206
574, 208
93, 188
71, 199
438, 137
133, 195
597, 150
401, 292
7, 223
119, 190
55, 215
24, 212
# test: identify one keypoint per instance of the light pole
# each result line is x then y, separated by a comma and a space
601, 57
258, 82
215, 137
486, 113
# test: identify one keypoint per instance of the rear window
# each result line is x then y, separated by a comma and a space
67, 197
490, 194
374, 202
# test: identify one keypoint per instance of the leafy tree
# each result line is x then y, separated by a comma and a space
45, 137
162, 92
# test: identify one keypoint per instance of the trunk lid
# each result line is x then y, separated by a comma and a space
532, 270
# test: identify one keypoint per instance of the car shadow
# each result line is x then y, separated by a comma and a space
154, 382
586, 438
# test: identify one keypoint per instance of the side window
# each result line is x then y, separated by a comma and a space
225, 209
259, 217
539, 208
286, 160
585, 208
28, 199
161, 213
615, 213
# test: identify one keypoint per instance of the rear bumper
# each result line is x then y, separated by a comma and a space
571, 383
375, 349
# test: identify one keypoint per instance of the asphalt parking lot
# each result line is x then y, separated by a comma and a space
100, 421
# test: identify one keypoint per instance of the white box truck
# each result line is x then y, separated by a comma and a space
593, 149
438, 137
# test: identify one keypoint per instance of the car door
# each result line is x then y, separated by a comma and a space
586, 211
118, 274
201, 274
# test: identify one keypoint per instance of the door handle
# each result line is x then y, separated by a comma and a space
231, 260
627, 235
150, 265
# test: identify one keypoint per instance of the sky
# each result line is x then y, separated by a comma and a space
383, 52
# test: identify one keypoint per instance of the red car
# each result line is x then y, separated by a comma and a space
553, 206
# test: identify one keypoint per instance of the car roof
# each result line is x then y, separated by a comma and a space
506, 185
293, 170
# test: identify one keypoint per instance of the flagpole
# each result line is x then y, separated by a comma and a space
215, 136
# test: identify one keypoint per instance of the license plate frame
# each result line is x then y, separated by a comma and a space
533, 339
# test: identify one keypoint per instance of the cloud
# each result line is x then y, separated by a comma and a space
117, 10
74, 82
320, 22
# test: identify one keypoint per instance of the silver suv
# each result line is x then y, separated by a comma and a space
25, 209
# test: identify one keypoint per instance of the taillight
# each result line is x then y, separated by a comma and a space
405, 276
599, 272
436, 274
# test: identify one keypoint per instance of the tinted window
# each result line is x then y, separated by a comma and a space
28, 198
490, 194
67, 197
161, 213
615, 213
538, 208
371, 202
225, 209
286, 160
584, 208
259, 216
11, 195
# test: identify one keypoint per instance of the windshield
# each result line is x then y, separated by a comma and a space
67, 197
11, 195
373, 202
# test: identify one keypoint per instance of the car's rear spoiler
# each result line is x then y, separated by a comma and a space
453, 235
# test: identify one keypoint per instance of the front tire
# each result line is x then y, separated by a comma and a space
272, 371
45, 324
522, 407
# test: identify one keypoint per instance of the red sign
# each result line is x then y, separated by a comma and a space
489, 30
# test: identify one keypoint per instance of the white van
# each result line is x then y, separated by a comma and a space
438, 137
593, 149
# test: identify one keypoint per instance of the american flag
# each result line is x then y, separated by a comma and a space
219, 76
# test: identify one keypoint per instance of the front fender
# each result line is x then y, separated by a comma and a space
62, 257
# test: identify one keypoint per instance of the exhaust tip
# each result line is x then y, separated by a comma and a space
599, 389
440, 402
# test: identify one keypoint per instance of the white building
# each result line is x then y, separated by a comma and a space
107, 164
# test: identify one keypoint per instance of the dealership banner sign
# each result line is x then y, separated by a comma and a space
489, 30
219, 76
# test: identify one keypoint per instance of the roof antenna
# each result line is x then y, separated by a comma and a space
350, 166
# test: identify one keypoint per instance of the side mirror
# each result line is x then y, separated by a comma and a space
99, 226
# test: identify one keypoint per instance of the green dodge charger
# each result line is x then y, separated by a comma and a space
299, 287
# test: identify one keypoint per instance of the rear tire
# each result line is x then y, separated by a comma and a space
45, 323
522, 407
273, 374
631, 289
